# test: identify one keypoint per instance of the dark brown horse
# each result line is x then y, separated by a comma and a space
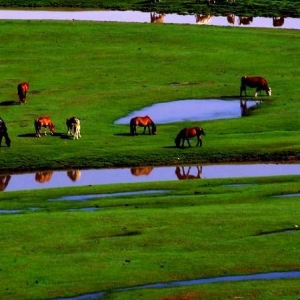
257, 82
3, 133
43, 122
188, 133
23, 88
145, 122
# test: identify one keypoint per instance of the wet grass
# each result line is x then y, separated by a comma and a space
102, 71
198, 229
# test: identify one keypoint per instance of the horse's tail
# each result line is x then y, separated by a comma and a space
132, 126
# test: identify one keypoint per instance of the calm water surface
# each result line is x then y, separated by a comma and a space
145, 17
192, 110
55, 179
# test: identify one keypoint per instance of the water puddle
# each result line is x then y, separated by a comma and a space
84, 209
96, 196
151, 17
27, 181
189, 110
233, 278
288, 195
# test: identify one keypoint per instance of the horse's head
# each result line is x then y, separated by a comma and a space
154, 131
177, 140
52, 128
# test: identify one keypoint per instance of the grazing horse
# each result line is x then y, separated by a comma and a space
23, 88
73, 125
4, 181
145, 122
43, 122
259, 83
138, 171
188, 133
43, 177
3, 133
186, 175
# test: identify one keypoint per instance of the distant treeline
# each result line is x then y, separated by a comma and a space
255, 8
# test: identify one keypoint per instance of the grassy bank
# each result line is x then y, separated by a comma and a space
102, 71
194, 229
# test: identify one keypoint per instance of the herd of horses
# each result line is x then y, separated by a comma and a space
74, 126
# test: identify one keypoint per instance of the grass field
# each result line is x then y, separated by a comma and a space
202, 228
195, 229
101, 71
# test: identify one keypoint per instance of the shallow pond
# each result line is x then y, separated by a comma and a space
147, 17
55, 179
192, 110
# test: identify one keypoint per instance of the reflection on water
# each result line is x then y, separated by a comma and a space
192, 110
42, 177
74, 175
143, 17
131, 175
141, 171
4, 181
184, 173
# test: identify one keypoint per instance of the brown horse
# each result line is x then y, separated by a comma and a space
3, 133
23, 88
145, 122
188, 133
257, 82
43, 122
183, 175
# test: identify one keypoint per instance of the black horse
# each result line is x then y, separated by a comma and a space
3, 133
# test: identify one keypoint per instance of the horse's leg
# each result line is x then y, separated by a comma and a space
188, 142
7, 139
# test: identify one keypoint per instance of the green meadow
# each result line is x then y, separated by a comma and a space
194, 229
102, 71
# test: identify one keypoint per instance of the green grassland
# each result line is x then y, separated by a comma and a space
194, 229
102, 71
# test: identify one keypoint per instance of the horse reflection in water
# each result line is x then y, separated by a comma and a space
74, 175
4, 181
183, 175
245, 20
157, 18
43, 177
278, 21
141, 171
203, 19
